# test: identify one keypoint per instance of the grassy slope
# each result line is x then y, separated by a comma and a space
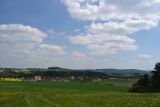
71, 94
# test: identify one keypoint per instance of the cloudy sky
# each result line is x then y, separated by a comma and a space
80, 33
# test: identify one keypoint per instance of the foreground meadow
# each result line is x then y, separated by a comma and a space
71, 94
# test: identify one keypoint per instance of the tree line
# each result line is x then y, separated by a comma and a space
10, 73
148, 83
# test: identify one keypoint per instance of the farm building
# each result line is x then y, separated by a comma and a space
37, 78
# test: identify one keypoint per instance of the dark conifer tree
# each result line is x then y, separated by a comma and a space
142, 85
155, 79
144, 81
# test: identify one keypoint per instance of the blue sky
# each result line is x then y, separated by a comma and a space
79, 34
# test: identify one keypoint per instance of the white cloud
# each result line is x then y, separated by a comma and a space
112, 22
122, 27
145, 56
18, 38
100, 38
51, 48
75, 7
112, 9
25, 44
110, 48
18, 32
103, 44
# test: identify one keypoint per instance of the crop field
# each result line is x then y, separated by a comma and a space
120, 82
67, 86
72, 94
11, 79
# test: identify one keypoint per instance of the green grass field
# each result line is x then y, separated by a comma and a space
71, 94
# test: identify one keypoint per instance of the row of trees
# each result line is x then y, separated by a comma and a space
148, 83
9, 73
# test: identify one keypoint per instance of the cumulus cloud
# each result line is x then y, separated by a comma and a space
51, 49
19, 38
125, 27
113, 9
112, 22
110, 48
90, 39
103, 44
20, 42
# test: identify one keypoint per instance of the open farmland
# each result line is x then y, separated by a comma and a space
71, 94
66, 86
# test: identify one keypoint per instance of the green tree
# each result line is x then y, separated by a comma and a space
155, 79
142, 85
144, 81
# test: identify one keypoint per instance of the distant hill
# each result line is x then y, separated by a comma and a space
63, 72
122, 71
107, 71
58, 69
